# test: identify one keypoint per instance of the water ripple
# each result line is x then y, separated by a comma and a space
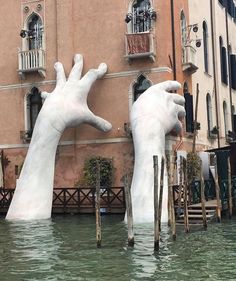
64, 248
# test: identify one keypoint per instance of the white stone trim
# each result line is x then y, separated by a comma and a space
67, 143
27, 85
104, 141
136, 72
107, 76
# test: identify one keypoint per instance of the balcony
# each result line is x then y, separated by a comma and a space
31, 61
140, 45
189, 59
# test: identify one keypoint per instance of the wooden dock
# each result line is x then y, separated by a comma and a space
195, 213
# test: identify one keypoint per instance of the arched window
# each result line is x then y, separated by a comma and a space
32, 56
35, 32
223, 62
188, 109
233, 119
209, 112
183, 35
140, 86
205, 46
225, 112
233, 109
34, 105
232, 61
141, 16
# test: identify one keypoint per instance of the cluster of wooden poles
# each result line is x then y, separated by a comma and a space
158, 196
183, 199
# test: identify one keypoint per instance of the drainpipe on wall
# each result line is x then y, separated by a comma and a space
173, 37
214, 70
56, 8
229, 65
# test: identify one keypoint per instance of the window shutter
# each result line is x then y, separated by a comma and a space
224, 74
233, 71
189, 112
230, 6
234, 123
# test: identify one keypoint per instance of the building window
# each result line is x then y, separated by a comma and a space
139, 39
34, 105
140, 86
141, 17
223, 62
205, 46
233, 71
225, 112
230, 7
35, 32
183, 35
189, 109
221, 2
233, 119
209, 113
233, 109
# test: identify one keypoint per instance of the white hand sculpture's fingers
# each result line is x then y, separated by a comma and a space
180, 111
93, 74
102, 69
168, 86
90, 77
76, 71
44, 95
178, 99
99, 123
60, 73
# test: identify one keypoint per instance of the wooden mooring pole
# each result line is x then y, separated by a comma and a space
195, 120
97, 207
230, 202
156, 207
180, 185
129, 212
203, 201
170, 171
161, 191
217, 189
185, 191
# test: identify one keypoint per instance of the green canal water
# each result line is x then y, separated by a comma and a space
64, 248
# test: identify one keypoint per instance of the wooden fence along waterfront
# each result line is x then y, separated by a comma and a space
77, 200
82, 199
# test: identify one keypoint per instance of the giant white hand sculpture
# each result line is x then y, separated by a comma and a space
65, 107
155, 113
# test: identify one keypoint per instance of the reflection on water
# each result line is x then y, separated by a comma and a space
64, 248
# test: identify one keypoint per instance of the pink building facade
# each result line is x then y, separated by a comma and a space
139, 40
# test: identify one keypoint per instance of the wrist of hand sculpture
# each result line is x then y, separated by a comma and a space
155, 113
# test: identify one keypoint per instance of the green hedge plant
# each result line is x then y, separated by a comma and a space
106, 171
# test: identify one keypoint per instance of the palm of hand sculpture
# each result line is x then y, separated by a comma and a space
155, 113
65, 107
